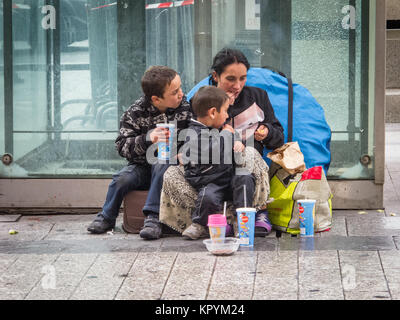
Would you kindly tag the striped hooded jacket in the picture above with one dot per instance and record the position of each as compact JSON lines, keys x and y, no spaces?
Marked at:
{"x":132,"y":142}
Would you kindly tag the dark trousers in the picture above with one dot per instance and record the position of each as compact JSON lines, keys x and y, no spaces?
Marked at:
{"x":210,"y":199}
{"x":134,"y":177}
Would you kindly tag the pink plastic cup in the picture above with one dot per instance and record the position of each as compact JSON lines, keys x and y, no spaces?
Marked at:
{"x":217,"y":226}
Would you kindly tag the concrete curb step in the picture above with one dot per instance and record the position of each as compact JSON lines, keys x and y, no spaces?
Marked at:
{"x":392,"y":105}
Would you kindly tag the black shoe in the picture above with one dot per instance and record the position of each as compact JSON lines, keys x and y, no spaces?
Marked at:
{"x":100,"y":225}
{"x":151,"y":229}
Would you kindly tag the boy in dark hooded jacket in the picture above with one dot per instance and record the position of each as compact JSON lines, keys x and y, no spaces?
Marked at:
{"x":209,"y":160}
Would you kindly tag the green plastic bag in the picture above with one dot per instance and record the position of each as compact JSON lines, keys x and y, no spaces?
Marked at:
{"x":286,"y":189}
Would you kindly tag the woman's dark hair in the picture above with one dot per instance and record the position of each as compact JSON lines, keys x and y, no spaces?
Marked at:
{"x":226,"y":57}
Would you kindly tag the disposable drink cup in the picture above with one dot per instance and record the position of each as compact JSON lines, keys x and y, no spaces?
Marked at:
{"x":217,"y":227}
{"x":306,"y":217}
{"x":164,"y":148}
{"x":246,"y":221}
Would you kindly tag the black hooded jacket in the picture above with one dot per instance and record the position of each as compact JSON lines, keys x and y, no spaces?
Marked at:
{"x":251,"y":109}
{"x":208,"y":155}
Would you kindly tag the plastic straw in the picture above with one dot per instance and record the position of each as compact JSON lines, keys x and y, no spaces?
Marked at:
{"x":245,"y":198}
{"x":225,"y":209}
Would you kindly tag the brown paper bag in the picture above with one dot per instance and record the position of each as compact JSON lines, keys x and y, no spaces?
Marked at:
{"x":289,"y":157}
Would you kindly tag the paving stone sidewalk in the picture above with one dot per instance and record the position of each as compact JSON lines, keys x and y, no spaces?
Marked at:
{"x":54,"y":257}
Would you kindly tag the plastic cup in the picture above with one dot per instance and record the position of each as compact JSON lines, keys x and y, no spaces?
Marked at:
{"x":217,"y":227}
{"x":246,"y":223}
{"x":164,"y":148}
{"x":306,"y":217}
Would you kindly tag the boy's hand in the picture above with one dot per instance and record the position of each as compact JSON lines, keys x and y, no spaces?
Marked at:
{"x":238,"y":146}
{"x":261,"y":133}
{"x":229,"y":128}
{"x":159,"y":135}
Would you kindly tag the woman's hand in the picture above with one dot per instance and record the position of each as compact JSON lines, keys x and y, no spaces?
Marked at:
{"x":229,"y":128}
{"x":231,"y":98}
{"x":238,"y":146}
{"x":159,"y":135}
{"x":261,"y":133}
{"x":179,"y":156}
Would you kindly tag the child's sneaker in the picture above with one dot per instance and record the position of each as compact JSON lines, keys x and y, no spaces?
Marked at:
{"x":152,"y":229}
{"x":263,"y":226}
{"x":195,"y":231}
{"x":100,"y":225}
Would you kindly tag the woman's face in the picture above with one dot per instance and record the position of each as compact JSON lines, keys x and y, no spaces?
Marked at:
{"x":232,"y":79}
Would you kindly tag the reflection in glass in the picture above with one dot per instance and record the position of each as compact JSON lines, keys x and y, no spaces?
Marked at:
{"x":88,"y":60}
{"x":169,"y":39}
{"x":29,"y":83}
{"x":322,"y":40}
{"x":65,"y":100}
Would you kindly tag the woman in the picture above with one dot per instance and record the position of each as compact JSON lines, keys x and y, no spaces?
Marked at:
{"x":252,"y":115}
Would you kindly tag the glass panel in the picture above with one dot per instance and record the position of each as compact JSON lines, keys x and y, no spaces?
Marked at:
{"x":331,"y":38}
{"x":65,"y":88}
{"x":65,"y":112}
{"x":2,"y":137}
{"x":236,"y":24}
{"x":29,"y":77}
{"x":169,"y":38}
{"x":323,"y":45}
{"x":88,"y":91}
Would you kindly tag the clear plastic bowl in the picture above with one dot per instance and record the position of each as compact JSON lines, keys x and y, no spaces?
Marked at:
{"x":225,"y":248}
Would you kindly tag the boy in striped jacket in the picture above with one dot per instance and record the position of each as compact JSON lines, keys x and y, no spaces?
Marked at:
{"x":163,"y":101}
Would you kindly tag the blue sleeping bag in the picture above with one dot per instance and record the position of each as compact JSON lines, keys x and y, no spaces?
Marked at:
{"x":302,"y":118}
